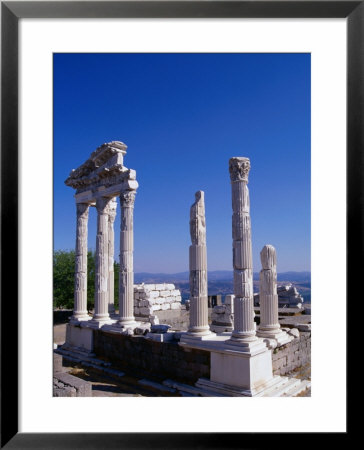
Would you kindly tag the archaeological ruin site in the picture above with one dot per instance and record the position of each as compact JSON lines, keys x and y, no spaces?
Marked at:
{"x":251,"y":345}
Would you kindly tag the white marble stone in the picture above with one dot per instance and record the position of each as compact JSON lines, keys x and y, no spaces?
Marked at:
{"x":244,"y":327}
{"x":101,"y":315}
{"x":126,"y":271}
{"x":80,"y":297}
{"x":154,"y":300}
{"x":100,"y":179}
{"x":111,"y":238}
{"x":198,"y":270}
{"x":269,"y":327}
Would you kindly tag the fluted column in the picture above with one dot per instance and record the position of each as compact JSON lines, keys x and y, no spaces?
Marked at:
{"x":101,"y":314}
{"x":80,"y":296}
{"x":268,"y":297}
{"x":126,"y":274}
{"x":198,"y":269}
{"x":111,"y":238}
{"x":244,"y":327}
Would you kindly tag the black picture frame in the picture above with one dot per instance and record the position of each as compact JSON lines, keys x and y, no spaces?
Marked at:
{"x":11,"y":12}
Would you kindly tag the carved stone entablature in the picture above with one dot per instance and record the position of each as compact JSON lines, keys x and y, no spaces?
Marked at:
{"x":239,"y":168}
{"x":104,"y":167}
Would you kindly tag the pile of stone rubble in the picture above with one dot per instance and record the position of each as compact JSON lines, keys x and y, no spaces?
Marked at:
{"x":149,"y":298}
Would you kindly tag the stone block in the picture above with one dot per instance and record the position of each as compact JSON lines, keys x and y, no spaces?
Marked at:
{"x":150,"y":287}
{"x":175,"y":292}
{"x":80,"y":337}
{"x":294,"y":332}
{"x":64,"y":392}
{"x":165,"y":293}
{"x":83,"y":388}
{"x":160,"y":287}
{"x":152,"y":294}
{"x":155,"y":308}
{"x":58,"y":363}
{"x":170,"y":287}
{"x":176,"y":305}
{"x":145,"y":311}
{"x":165,"y":306}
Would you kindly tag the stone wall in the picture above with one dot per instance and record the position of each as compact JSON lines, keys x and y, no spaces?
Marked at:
{"x":159,"y":360}
{"x":149,"y":298}
{"x":293,"y":355}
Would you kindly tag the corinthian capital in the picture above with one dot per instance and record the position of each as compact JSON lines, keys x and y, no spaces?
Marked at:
{"x":127,"y":199}
{"x":239,"y":168}
{"x":112,"y":210}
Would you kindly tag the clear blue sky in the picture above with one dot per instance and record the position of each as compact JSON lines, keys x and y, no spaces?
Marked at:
{"x":182,"y":117}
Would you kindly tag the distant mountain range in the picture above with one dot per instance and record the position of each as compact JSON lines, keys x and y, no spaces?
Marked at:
{"x":215,"y":275}
{"x":220,"y":282}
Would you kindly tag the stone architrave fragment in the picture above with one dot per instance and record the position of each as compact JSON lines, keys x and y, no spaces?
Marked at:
{"x":80,"y":299}
{"x":244,"y":327}
{"x":198,"y":269}
{"x":269,"y":326}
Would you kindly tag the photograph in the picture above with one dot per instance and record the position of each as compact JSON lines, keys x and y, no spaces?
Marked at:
{"x":181,"y":225}
{"x":180,"y":181}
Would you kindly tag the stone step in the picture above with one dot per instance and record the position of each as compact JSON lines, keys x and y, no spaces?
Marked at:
{"x":82,"y":356}
{"x":303,"y":386}
{"x":282,"y":389}
{"x":187,"y":390}
{"x":155,"y":385}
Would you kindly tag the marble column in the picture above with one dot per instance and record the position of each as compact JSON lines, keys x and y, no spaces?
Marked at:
{"x":80,"y":298}
{"x":126,"y":274}
{"x":269,"y":326}
{"x":198,"y":269}
{"x":268,"y":291}
{"x":111,"y":238}
{"x":244,"y":326}
{"x":101,"y":314}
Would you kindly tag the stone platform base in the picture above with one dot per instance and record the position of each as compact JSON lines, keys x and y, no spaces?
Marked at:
{"x":278,"y":387}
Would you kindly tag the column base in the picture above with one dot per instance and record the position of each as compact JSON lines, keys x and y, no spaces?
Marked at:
{"x":117,"y":327}
{"x":79,"y":319}
{"x":193,"y":337}
{"x":250,"y":347}
{"x":249,"y":370}
{"x":99,"y":322}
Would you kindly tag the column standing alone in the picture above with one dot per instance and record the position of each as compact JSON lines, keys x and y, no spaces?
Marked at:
{"x":244,"y":326}
{"x":198,"y":269}
{"x":269,"y":326}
